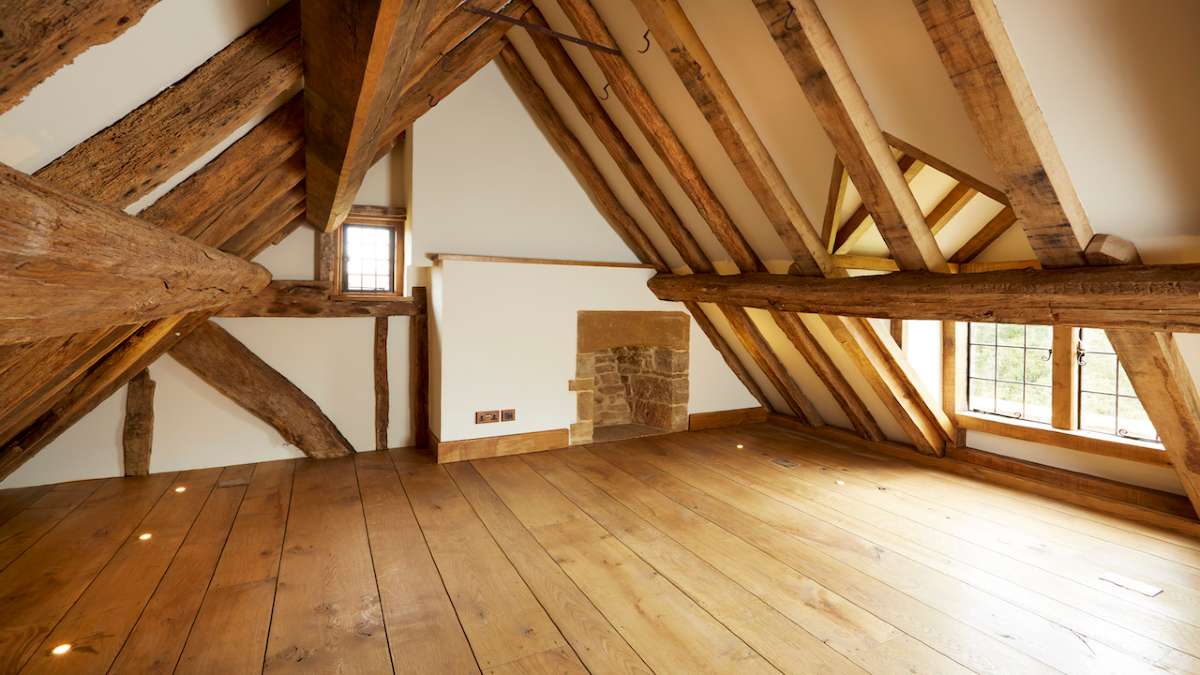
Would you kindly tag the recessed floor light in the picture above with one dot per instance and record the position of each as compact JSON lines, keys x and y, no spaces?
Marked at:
{"x":841,"y":482}
{"x":61,"y":649}
{"x":144,"y":536}
{"x":740,"y":446}
{"x":181,"y":489}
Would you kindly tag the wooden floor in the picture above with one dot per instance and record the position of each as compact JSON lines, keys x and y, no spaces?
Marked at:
{"x":678,"y":553}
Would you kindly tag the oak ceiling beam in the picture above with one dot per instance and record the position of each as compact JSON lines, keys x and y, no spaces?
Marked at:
{"x":313,"y":299}
{"x":453,"y":68}
{"x":124,"y":162}
{"x":624,"y":156}
{"x":68,"y":264}
{"x":538,"y":104}
{"x":219,"y":359}
{"x":564,"y":69}
{"x":944,"y":211}
{"x":40,"y":37}
{"x":983,"y":65}
{"x":58,"y":381}
{"x":712,"y":94}
{"x":768,"y":362}
{"x":662,"y":138}
{"x":808,"y":46}
{"x":860,"y":221}
{"x":1148,"y":298}
{"x":358,"y":58}
{"x":985,"y":237}
{"x":137,"y":432}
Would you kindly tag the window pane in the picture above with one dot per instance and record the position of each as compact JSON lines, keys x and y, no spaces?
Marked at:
{"x":1037,"y":403}
{"x":983,"y":333}
{"x":1094,"y":340}
{"x":1132,"y":419}
{"x":1098,"y":412}
{"x":1124,"y":386}
{"x":1010,"y":334}
{"x":1010,"y":364}
{"x":983,"y":362}
{"x":369,"y":258}
{"x":1099,"y":373}
{"x":1038,"y":368}
{"x":1010,"y":399}
{"x":1039,"y":336}
{"x":982,"y":396}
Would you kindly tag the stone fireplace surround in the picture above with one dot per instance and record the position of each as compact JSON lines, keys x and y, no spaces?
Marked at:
{"x":631,"y":368}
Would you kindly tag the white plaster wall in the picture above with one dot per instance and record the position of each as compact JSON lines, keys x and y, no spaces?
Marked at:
{"x":508,"y":340}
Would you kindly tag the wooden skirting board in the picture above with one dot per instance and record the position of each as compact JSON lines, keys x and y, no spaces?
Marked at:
{"x":1144,"y":505}
{"x":726,"y":418}
{"x":499,"y":446}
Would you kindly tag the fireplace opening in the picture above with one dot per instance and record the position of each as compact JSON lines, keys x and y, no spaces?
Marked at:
{"x":631,"y":375}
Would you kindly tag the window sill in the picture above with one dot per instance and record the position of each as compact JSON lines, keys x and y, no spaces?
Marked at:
{"x":1144,"y":452}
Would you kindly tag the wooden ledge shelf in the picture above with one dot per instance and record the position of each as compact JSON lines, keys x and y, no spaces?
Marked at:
{"x":307,"y":299}
{"x":442,"y":257}
{"x":1080,"y":441}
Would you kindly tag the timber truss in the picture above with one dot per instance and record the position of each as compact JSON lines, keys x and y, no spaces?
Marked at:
{"x":370,"y":69}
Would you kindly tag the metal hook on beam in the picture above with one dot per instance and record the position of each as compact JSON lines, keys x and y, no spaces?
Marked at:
{"x":606,"y":94}
{"x":646,"y":37}
{"x":431,"y":101}
{"x":789,"y":17}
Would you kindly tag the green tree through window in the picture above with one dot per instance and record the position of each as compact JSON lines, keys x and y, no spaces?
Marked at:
{"x":1009,"y":370}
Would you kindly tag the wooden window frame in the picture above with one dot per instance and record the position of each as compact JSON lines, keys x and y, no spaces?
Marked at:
{"x":1063,"y":431}
{"x":392,"y":218}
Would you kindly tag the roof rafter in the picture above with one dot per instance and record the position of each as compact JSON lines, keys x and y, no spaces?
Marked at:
{"x":982,"y":63}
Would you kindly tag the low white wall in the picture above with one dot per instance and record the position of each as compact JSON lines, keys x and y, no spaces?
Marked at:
{"x":507,"y":334}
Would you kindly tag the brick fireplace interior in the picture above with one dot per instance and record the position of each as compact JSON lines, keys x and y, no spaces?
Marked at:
{"x":631,"y":375}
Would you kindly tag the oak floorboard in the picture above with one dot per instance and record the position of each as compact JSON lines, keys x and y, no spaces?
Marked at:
{"x":38,"y":588}
{"x":777,"y":640}
{"x":16,"y":500}
{"x":1067,"y":559}
{"x":424,"y":634}
{"x":98,"y":623}
{"x":821,"y":496}
{"x":157,"y":640}
{"x":502,"y":618}
{"x":25,"y":528}
{"x":327,"y":615}
{"x":598,"y":644}
{"x":230,"y":632}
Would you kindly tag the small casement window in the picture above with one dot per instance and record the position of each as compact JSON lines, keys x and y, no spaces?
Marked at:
{"x":368,"y":259}
{"x":1107,"y":402}
{"x":1009,"y":370}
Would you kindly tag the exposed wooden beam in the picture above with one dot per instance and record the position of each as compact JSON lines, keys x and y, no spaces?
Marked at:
{"x":64,"y":379}
{"x":882,"y":363}
{"x":816,"y":60}
{"x":906,"y":148}
{"x":273,"y":220}
{"x":704,"y":81}
{"x":856,"y":411}
{"x":743,"y":326}
{"x":222,"y":361}
{"x":41,"y":37}
{"x":262,"y":194}
{"x":358,"y":58}
{"x":313,"y":299}
{"x":68,"y":264}
{"x":1107,"y":249}
{"x":382,"y":399}
{"x":418,"y":372}
{"x":161,"y":137}
{"x":137,"y":434}
{"x":645,"y":185}
{"x":985,"y":237}
{"x":949,"y":206}
{"x":1064,"y":408}
{"x":453,"y":68}
{"x":860,"y":221}
{"x":574,"y":155}
{"x":631,"y":166}
{"x":980,"y":59}
{"x":662,"y":138}
{"x":1144,"y":297}
{"x":833,"y":204}
{"x":982,"y":63}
